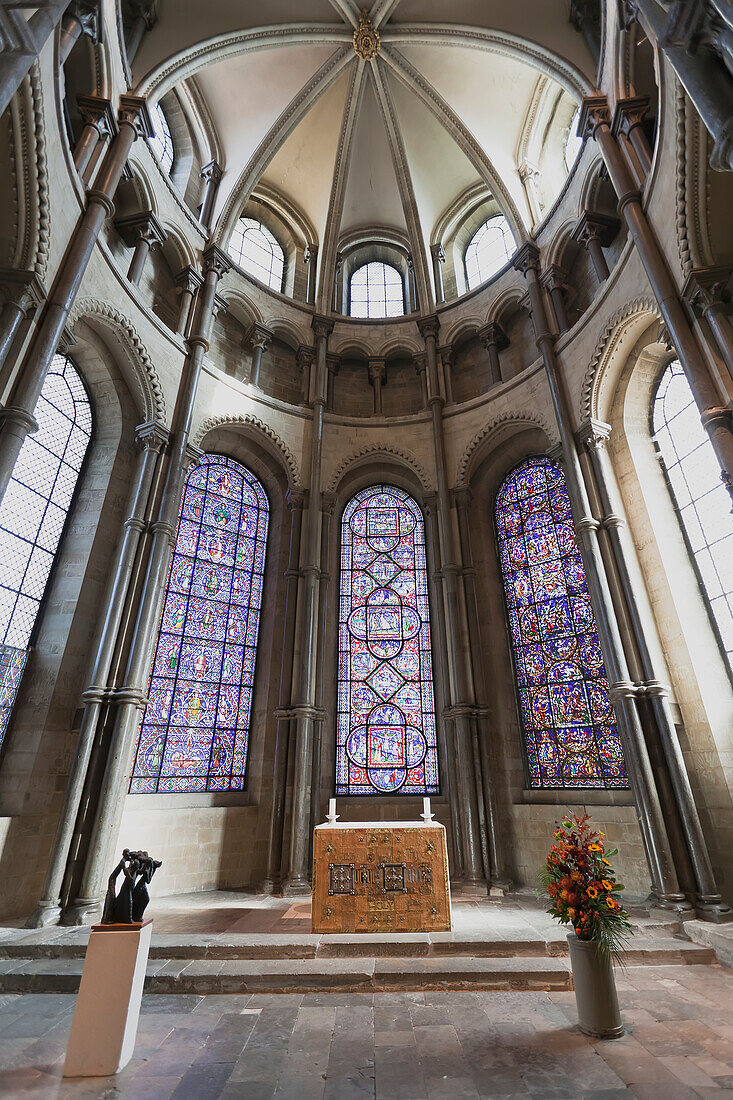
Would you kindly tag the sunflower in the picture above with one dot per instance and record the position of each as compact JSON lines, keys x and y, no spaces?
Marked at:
{"x":606,"y":884}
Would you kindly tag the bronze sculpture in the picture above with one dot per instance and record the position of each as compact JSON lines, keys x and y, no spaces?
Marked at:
{"x":128,"y":906}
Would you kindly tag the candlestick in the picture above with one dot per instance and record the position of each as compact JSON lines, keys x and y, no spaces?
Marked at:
{"x":332,"y":815}
{"x":426,"y":815}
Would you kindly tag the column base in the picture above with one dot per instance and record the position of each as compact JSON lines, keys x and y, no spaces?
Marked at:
{"x":712,"y":908}
{"x":471,"y":888}
{"x":500,"y":887}
{"x":296,"y":888}
{"x":44,"y":914}
{"x":81,"y":912}
{"x":669,"y":903}
{"x":270,"y":887}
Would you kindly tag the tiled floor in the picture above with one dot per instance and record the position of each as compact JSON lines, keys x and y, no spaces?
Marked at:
{"x":403,"y":1046}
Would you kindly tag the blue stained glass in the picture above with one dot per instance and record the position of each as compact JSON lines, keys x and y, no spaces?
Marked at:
{"x":194,"y":733}
{"x":386,"y":736}
{"x":566,"y":715}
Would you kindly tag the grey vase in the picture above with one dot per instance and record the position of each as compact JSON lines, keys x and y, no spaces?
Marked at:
{"x":595,"y":990}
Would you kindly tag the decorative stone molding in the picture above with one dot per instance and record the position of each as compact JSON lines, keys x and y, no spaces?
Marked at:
{"x":380,"y":450}
{"x":251,"y":421}
{"x":612,"y":329}
{"x":518,"y":419}
{"x":151,"y":390}
{"x":29,"y":175}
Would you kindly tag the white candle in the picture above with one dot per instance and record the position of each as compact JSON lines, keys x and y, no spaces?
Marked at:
{"x":332,"y":807}
{"x":426,"y":806}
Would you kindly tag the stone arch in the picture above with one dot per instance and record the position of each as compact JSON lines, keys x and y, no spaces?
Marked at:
{"x":255,"y":428}
{"x":619,"y":332}
{"x":497,"y":430}
{"x":373,"y":454}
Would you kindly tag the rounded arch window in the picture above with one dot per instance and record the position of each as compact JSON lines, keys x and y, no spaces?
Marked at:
{"x":700,"y":497}
{"x":258,"y":252}
{"x":376,"y":290}
{"x":162,"y":142}
{"x":488,"y":251}
{"x":573,"y":143}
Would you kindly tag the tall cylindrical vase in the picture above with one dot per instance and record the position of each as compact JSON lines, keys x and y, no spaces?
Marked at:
{"x":595,"y":990}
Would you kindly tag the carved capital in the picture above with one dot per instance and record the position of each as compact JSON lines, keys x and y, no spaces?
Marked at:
{"x":554,"y":277}
{"x":595,"y":112}
{"x":22,"y":289}
{"x":333,"y":363}
{"x":377,"y":371}
{"x":630,"y":112}
{"x":219,"y":305}
{"x":295,"y":499}
{"x":193,"y":455}
{"x":310,"y":254}
{"x":66,"y":343}
{"x":305,"y":356}
{"x":322,"y":327}
{"x":493,"y":335}
{"x":527,"y":258}
{"x":134,"y":112}
{"x":596,"y":226}
{"x":428,"y":326}
{"x":421,"y":362}
{"x":215,"y":260}
{"x":152,"y":436}
{"x":593,"y":434}
{"x":260,"y":337}
{"x":462,"y":496}
{"x":447,"y":354}
{"x":438,"y":252}
{"x":141,"y":227}
{"x":211,"y":172}
{"x":97,"y":112}
{"x":188,"y":280}
{"x":707,"y":287}
{"x":86,"y":13}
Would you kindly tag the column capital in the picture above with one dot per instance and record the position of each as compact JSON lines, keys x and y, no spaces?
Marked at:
{"x":215,"y":260}
{"x":295,"y":498}
{"x":593,"y":434}
{"x":706,"y":287}
{"x":493,"y":334}
{"x":328,"y":504}
{"x":22,"y":288}
{"x":97,"y":111}
{"x":305,"y":355}
{"x":152,"y":436}
{"x":527,"y":258}
{"x":219,"y":305}
{"x":599,"y":226}
{"x":428,"y":326}
{"x":377,"y":370}
{"x":260,"y":337}
{"x":66,"y":342}
{"x":133,"y":111}
{"x":322,"y":326}
{"x":629,"y":113}
{"x":211,"y":172}
{"x":447,"y":353}
{"x":193,"y":455}
{"x":554,"y":277}
{"x":143,"y":226}
{"x":594,"y":112}
{"x":86,"y":13}
{"x":310,"y":253}
{"x":438,"y":252}
{"x":420,"y":360}
{"x":188,"y":279}
{"x":333,"y":363}
{"x":462,"y":496}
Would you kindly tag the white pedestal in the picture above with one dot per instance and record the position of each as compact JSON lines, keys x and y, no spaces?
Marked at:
{"x":107,"y":1009}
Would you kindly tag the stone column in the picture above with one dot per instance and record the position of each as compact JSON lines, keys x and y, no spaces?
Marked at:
{"x":305,"y":693}
{"x":188,"y":281}
{"x":333,"y":366}
{"x":585,"y":18}
{"x":261,"y":338}
{"x":494,"y":339}
{"x":679,"y":30}
{"x":129,"y":699}
{"x":437,"y":255}
{"x":17,"y":417}
{"x":143,"y":232}
{"x":596,"y":231}
{"x":23,"y":41}
{"x":305,"y":357}
{"x":709,"y":903}
{"x":628,"y":122}
{"x":621,"y":689}
{"x":99,"y":124}
{"x":498,"y":880}
{"x":81,"y":17}
{"x":151,"y":439}
{"x":211,"y":174}
{"x":283,"y":715}
{"x":310,"y":259}
{"x":555,"y":281}
{"x":145,"y":19}
{"x":328,"y":502}
{"x":338,"y":285}
{"x":707,"y":292}
{"x":421,"y":369}
{"x":377,"y":377}
{"x":447,"y":358}
{"x":462,"y":705}
{"x":411,"y":303}
{"x":23,"y":292}
{"x":715,"y":416}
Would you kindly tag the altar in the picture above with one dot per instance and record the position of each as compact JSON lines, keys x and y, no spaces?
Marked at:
{"x":379,"y":876}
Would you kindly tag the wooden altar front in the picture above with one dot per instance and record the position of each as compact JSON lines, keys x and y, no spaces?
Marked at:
{"x":380,"y":877}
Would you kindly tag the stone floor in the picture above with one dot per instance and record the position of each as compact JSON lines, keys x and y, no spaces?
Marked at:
{"x":394,"y":1046}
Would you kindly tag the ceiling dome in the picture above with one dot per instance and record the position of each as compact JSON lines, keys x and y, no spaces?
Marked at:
{"x":385,"y":124}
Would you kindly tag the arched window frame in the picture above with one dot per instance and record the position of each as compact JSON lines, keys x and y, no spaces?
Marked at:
{"x":478,"y":273}
{"x":42,"y":458}
{"x":353,"y":710}
{"x":383,"y":294}
{"x":183,"y":657}
{"x":669,"y":447}
{"x":551,"y":621}
{"x":573,"y":143}
{"x":268,"y":267}
{"x":161,"y":141}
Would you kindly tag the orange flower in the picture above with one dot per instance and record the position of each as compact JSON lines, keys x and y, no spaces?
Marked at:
{"x":606,"y":861}
{"x":592,"y":893}
{"x":576,"y":876}
{"x":595,"y":848}
{"x":612,"y":904}
{"x":606,"y":884}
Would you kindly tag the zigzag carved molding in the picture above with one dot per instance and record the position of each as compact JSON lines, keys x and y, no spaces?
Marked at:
{"x":517,"y":419}
{"x":594,"y":374}
{"x":254,"y":422}
{"x":380,"y":451}
{"x":147,"y":377}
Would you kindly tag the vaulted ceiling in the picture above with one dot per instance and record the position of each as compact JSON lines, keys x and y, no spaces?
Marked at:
{"x":390,"y":141}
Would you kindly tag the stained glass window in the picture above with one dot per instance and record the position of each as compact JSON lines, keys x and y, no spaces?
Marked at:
{"x":567,"y":719}
{"x":386,"y":738}
{"x":161,"y":141}
{"x":702,"y":500}
{"x":489,"y":249}
{"x":257,"y":251}
{"x":33,"y":514}
{"x":194,"y":733}
{"x":376,"y":290}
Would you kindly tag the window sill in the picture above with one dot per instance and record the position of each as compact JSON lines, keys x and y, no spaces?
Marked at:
{"x":573,"y":798}
{"x":202,"y":800}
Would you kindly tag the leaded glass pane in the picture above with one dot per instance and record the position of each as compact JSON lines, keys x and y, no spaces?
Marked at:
{"x":194,"y":733}
{"x":386,"y":737}
{"x":702,"y":500}
{"x":161,"y":141}
{"x":33,"y":513}
{"x":376,"y":290}
{"x":488,"y":251}
{"x":566,"y":715}
{"x":258,"y":252}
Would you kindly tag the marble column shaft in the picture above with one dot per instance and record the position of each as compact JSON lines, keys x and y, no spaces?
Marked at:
{"x":462,"y":705}
{"x":17,"y":417}
{"x":81,"y":17}
{"x":23,"y":292}
{"x":151,"y":439}
{"x":15,"y":62}
{"x":130,"y":697}
{"x":211,"y":174}
{"x":641,"y":777}
{"x":99,"y":124}
{"x":715,"y":417}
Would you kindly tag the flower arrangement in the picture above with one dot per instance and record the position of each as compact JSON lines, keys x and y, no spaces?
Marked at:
{"x":580,"y":882}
